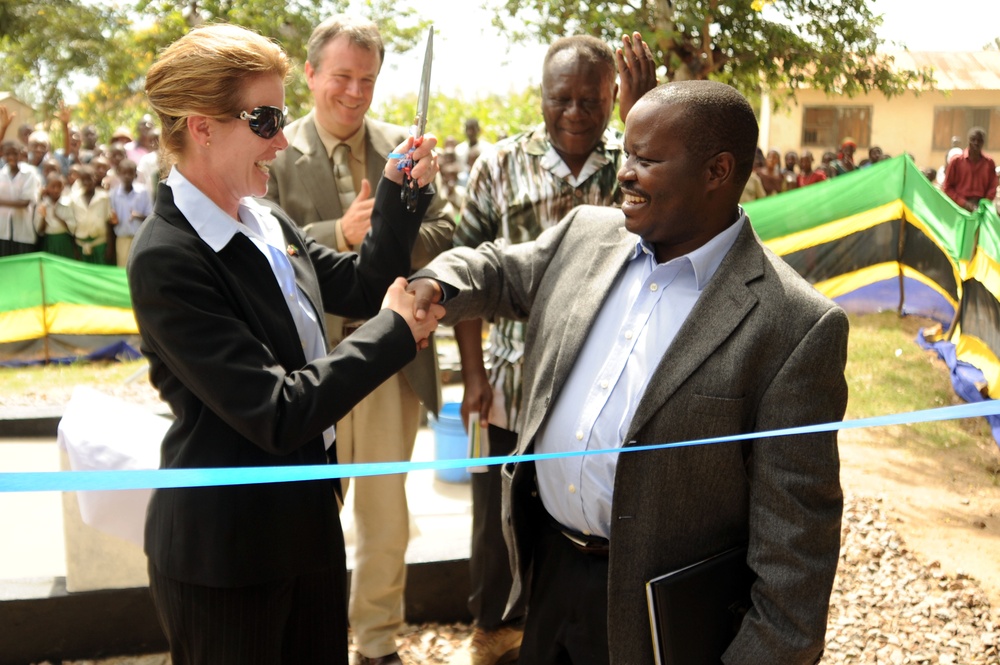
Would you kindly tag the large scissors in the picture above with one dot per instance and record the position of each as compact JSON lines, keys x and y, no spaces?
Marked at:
{"x":411,"y":189}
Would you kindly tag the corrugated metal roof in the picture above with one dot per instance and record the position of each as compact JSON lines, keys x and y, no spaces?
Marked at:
{"x":955,"y":70}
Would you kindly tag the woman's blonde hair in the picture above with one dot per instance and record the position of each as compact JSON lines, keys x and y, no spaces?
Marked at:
{"x":205,"y":73}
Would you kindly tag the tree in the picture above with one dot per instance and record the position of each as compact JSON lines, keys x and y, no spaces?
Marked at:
{"x":993,"y":45}
{"x":777,"y":45}
{"x":497,"y":115}
{"x":49,"y":45}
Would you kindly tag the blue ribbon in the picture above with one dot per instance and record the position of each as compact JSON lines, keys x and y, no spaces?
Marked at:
{"x":69,"y":481}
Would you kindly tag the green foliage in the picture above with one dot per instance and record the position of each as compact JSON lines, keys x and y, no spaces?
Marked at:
{"x":787,"y":45}
{"x":498,"y":115}
{"x":47,"y":45}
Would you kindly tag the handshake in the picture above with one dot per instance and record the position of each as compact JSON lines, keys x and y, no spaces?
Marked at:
{"x":417,"y":303}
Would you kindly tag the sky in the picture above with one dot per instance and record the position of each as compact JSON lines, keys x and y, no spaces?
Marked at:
{"x":472,"y":59}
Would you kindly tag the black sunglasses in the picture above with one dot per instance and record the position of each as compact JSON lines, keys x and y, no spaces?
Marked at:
{"x":265,"y":121}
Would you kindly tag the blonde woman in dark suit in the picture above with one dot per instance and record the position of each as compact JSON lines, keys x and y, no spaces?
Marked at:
{"x":229,"y":296}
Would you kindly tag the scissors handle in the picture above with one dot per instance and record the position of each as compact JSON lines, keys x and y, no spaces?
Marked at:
{"x":410,"y":193}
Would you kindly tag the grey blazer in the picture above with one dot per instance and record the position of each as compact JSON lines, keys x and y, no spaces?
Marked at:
{"x":302,"y":183}
{"x":761,"y":350}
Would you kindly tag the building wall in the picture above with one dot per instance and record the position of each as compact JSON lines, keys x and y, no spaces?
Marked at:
{"x":24,"y":114}
{"x":901,"y":124}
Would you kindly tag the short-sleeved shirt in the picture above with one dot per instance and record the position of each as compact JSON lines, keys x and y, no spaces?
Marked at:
{"x":516,"y":191}
{"x":17,"y":224}
{"x":125,"y":204}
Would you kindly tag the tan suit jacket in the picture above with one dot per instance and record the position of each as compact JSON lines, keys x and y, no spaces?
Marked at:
{"x":303,"y":184}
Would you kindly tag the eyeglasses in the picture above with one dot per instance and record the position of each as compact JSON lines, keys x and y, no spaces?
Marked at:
{"x":265,"y":121}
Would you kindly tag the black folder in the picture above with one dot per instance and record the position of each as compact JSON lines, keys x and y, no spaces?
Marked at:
{"x":695,"y":611}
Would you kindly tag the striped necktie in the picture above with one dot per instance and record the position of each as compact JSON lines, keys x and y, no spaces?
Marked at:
{"x":342,"y":175}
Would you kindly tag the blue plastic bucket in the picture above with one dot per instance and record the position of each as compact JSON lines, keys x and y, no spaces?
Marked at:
{"x":450,"y":442}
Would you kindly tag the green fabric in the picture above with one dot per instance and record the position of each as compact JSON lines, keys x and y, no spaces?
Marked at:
{"x":60,"y":244}
{"x":861,"y":190}
{"x":61,"y":281}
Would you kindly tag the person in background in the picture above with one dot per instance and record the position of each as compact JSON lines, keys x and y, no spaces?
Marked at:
{"x":666,"y":321}
{"x":972,"y":176}
{"x":88,"y":143}
{"x":148,"y":168}
{"x":54,"y":221}
{"x":24,"y":132}
{"x":102,"y":171}
{"x":49,"y":166}
{"x":116,"y":153}
{"x":770,"y":173}
{"x":789,"y":176}
{"x":845,"y":157}
{"x":227,"y":294}
{"x":74,"y":175}
{"x":524,"y":185}
{"x":753,"y":190}
{"x":875,"y":155}
{"x":323,"y":180}
{"x":92,"y":212}
{"x":130,"y":205}
{"x":69,"y":154}
{"x":826,"y":164}
{"x":120,"y":136}
{"x":38,"y":150}
{"x":143,"y":144}
{"x":19,"y":189}
{"x":468,"y":151}
{"x":807,"y":176}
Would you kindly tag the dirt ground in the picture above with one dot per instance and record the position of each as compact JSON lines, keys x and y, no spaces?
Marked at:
{"x":947,"y":505}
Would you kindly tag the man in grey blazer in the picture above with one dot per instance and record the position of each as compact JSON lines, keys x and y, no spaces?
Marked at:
{"x":343,"y":61}
{"x":666,"y":321}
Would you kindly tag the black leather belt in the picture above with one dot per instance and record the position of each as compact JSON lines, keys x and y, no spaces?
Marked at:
{"x":594,"y":545}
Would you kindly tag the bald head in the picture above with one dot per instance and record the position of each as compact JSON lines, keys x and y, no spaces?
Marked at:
{"x":715,"y":118}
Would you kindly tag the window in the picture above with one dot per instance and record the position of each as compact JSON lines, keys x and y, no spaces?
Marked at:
{"x":826,"y":127}
{"x":958,"y":120}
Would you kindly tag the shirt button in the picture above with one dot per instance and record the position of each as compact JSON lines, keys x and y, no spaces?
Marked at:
{"x":604,"y":384}
{"x":586,"y":533}
{"x":579,"y":435}
{"x":578,"y":194}
{"x":628,"y":334}
{"x":653,"y":287}
{"x":572,"y":489}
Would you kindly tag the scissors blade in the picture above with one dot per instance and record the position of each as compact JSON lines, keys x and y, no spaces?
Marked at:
{"x":424,"y":96}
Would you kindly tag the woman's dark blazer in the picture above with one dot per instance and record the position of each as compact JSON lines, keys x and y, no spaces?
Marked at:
{"x":226,"y":357}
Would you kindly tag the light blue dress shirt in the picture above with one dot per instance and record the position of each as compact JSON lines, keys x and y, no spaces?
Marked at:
{"x":637,"y":323}
{"x":217,"y":228}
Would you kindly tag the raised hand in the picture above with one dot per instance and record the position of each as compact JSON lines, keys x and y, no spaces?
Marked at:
{"x":425,"y":168}
{"x":636,"y":71}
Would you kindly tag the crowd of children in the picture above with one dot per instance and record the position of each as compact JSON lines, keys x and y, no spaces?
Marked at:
{"x":84,"y":201}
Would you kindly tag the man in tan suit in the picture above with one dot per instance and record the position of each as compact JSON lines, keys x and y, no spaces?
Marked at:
{"x":330,"y":195}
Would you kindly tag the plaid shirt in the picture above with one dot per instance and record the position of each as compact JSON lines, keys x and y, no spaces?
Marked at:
{"x":517,"y":190}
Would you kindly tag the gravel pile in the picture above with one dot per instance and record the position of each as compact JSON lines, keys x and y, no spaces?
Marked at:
{"x":888,"y":607}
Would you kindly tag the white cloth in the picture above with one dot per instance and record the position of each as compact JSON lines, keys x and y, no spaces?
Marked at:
{"x":103,"y":433}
